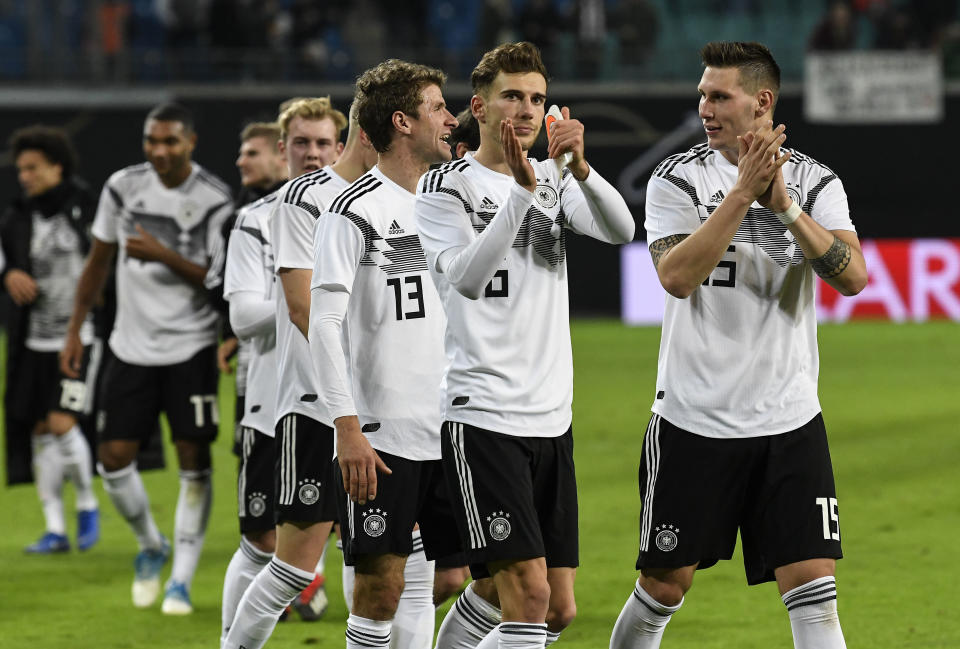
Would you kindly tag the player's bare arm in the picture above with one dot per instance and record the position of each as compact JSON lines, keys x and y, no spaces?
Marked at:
{"x":147,"y":247}
{"x":89,"y":287}
{"x":660,"y":247}
{"x":691,"y":261}
{"x":296,"y":290}
{"x":358,"y":461}
{"x":835,"y":255}
{"x":567,"y":136}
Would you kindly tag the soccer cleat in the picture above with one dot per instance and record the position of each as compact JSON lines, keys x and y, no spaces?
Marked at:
{"x":88,"y":528}
{"x":312,"y":602}
{"x":49,"y":543}
{"x":176,"y":601}
{"x":146,"y":577}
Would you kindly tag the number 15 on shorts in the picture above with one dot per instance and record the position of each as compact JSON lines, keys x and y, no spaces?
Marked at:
{"x":831,"y":519}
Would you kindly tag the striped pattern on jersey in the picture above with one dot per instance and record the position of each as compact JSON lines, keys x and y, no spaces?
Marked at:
{"x":465,"y":480}
{"x":651,"y":454}
{"x":288,"y":459}
{"x":218,"y":185}
{"x":297,"y":188}
{"x":536,"y":230}
{"x":817,"y":591}
{"x":132,"y":170}
{"x":760,"y":226}
{"x":396,"y":255}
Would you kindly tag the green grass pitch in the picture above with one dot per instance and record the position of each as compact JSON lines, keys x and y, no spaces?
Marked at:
{"x":891,"y":400}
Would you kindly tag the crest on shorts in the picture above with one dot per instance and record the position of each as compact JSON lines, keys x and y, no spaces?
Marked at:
{"x":546,"y":195}
{"x":374,"y":522}
{"x":257,"y":504}
{"x":309,"y":492}
{"x":666,"y":538}
{"x":499,"y":525}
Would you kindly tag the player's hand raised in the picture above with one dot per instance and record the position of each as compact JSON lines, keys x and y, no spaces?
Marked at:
{"x":759,"y":161}
{"x":567,"y":136}
{"x":358,"y":461}
{"x":513,"y":155}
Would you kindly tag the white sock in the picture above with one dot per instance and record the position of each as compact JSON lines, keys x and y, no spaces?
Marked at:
{"x":415,"y":617}
{"x":469,"y":620}
{"x":269,"y":593}
{"x":48,"y":475}
{"x":813,"y":615}
{"x":363,"y":633}
{"x":516,"y":635}
{"x":126,"y":491}
{"x":75,"y":453}
{"x":641,"y":622}
{"x":552,"y":636}
{"x":247,"y":561}
{"x":190,"y":524}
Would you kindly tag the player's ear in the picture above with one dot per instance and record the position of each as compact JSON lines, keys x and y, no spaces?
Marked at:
{"x":339,"y":148}
{"x":478,"y":108}
{"x":400,"y":121}
{"x":764,"y":103}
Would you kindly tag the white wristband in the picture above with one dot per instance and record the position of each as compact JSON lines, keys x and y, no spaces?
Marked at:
{"x":792,"y":214}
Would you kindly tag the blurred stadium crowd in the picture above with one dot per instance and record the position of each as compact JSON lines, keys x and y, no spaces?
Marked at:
{"x":159,"y":41}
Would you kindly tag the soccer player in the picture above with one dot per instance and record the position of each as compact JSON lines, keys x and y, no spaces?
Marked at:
{"x":466,"y":137}
{"x":494,"y":228}
{"x":45,"y":236}
{"x":305,"y":493}
{"x":163,"y":217}
{"x":738,"y":226}
{"x":376,"y":330}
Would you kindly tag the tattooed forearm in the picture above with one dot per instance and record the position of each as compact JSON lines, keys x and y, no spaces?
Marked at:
{"x":660,"y":247}
{"x":834,"y":261}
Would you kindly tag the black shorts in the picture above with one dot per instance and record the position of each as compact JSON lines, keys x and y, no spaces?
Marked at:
{"x":697,"y":491}
{"x":303,"y":470}
{"x":133,"y":396}
{"x":255,"y":482}
{"x":515,"y":498}
{"x":412,"y":494}
{"x":40,"y":388}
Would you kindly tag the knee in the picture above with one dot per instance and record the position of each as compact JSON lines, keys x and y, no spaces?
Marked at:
{"x":560,"y":615}
{"x":113,"y":457}
{"x":446,"y":582}
{"x":668,"y":589}
{"x":377,"y":597}
{"x":265,"y":541}
{"x":193,"y":456}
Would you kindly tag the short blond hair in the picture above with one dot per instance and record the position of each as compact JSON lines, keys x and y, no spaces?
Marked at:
{"x":266,"y":130}
{"x":313,"y":108}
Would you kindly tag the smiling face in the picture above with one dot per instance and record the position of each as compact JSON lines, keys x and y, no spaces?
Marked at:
{"x":727,"y":109}
{"x":260,"y":162}
{"x":432,"y":127}
{"x":168,"y":146}
{"x":310,"y":145}
{"x":519,"y":96}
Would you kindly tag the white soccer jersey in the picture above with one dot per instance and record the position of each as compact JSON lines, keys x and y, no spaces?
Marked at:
{"x":161,"y":318}
{"x":511,"y":361}
{"x":249,"y":268}
{"x":392,"y":338}
{"x":738,"y":357}
{"x":303,"y":199}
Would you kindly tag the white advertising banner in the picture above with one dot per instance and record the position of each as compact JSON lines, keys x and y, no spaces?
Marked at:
{"x":878,"y":87}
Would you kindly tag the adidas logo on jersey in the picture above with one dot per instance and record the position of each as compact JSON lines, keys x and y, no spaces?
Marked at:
{"x":717,"y":197}
{"x":395,"y":228}
{"x":487,"y":204}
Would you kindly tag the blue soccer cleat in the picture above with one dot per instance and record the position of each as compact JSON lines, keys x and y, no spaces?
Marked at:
{"x":146,"y":577}
{"x":88,"y":528}
{"x":176,"y":601}
{"x":49,"y":543}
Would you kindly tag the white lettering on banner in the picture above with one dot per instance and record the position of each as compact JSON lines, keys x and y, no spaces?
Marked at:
{"x":934,"y":286}
{"x":880,"y":289}
{"x":910,"y":279}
